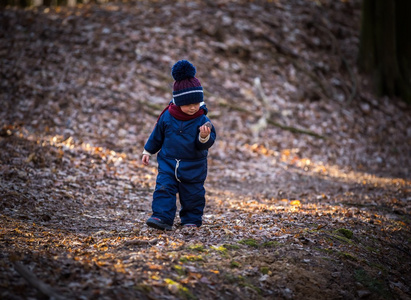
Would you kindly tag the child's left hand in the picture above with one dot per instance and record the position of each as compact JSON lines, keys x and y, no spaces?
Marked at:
{"x":204,"y":131}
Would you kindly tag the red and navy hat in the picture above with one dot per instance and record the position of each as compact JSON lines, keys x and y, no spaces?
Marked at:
{"x":186,"y":89}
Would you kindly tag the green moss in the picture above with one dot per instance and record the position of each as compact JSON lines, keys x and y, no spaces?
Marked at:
{"x":197,"y":247}
{"x":234,"y":264}
{"x":179,"y":269}
{"x":187,"y":258}
{"x":342,"y":239}
{"x":378,"y":266}
{"x":348,"y":256}
{"x":270,"y":244}
{"x":233,"y":279}
{"x":264,"y":270}
{"x":345,"y":232}
{"x":373,"y":284}
{"x":231,"y":246}
{"x":251,"y":286}
{"x":371,"y":249}
{"x":182,"y":291}
{"x":325,"y":250}
{"x":249,"y":242}
{"x":220,"y":249}
{"x":241,"y":281}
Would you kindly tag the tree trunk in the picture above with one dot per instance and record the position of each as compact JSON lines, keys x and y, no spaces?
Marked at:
{"x":367,"y":51}
{"x":24,"y":3}
{"x":385,"y":46}
{"x":403,"y":25}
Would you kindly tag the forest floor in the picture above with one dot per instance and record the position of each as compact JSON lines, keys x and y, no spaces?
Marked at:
{"x":308,"y":190}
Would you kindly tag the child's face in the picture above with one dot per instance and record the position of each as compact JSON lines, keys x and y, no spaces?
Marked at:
{"x":190,"y":109}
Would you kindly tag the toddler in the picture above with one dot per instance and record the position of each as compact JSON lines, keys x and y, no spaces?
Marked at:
{"x":182,"y":136}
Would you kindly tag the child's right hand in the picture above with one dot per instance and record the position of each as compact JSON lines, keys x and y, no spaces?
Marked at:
{"x":145,"y":159}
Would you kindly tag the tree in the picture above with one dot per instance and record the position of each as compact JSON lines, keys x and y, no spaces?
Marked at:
{"x":385,"y":46}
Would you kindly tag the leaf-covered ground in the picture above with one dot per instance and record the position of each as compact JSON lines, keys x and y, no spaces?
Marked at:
{"x":309,"y":182}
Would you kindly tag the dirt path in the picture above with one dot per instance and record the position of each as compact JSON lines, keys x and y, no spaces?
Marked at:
{"x":289,"y":215}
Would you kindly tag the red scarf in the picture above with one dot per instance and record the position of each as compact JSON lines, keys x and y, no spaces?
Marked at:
{"x":177,"y":113}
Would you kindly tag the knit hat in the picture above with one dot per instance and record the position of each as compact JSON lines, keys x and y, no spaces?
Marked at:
{"x":186,"y":89}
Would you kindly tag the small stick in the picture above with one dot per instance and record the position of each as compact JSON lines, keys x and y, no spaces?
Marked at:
{"x":140,"y":242}
{"x":35,"y":282}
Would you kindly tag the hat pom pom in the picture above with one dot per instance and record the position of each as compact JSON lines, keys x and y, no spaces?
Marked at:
{"x":183,"y":69}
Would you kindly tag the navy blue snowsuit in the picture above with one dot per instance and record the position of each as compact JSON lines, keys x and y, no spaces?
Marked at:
{"x":182,"y":168}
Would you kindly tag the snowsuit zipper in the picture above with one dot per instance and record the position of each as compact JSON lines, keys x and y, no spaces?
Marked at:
{"x":175,"y":170}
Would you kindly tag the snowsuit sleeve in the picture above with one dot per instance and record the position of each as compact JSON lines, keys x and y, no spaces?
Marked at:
{"x":156,"y":139}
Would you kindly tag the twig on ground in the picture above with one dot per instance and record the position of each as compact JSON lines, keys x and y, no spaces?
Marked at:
{"x":138,"y":242}
{"x":35,"y":282}
{"x":228,"y":104}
